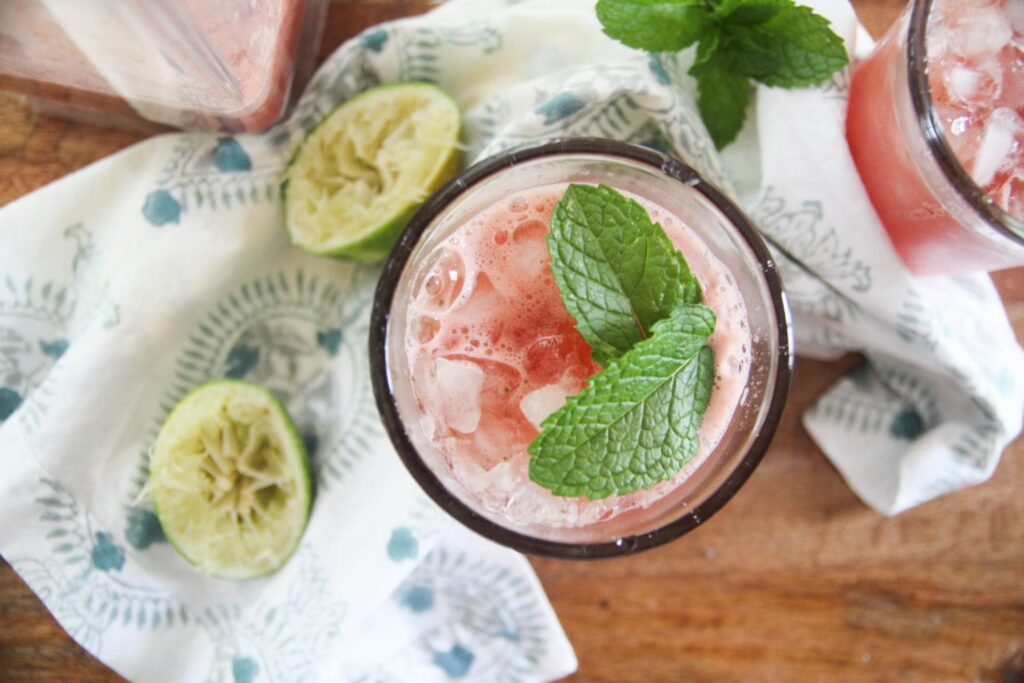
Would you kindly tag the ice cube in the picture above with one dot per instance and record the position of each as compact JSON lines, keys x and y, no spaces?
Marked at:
{"x":1013,"y":75}
{"x":482,"y":310}
{"x":980,"y":32}
{"x":540,"y":403}
{"x":530,"y":250}
{"x":962,"y":82}
{"x":1010,"y":194}
{"x":997,"y":145}
{"x":938,"y":39}
{"x":497,"y":439}
{"x":459,"y":383}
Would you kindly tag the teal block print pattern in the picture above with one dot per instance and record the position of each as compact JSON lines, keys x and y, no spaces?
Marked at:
{"x":244,"y":669}
{"x":424,"y":522}
{"x":976,"y":445}
{"x":808,"y":250}
{"x":84,"y":579}
{"x":652,"y":137}
{"x":54,"y":349}
{"x":143,"y":529}
{"x":804,"y":234}
{"x":837,"y":87}
{"x":36,"y":318}
{"x":623,"y":102}
{"x":917,"y":397}
{"x":490,"y":117}
{"x":455,"y":661}
{"x":420,"y":49}
{"x":402,"y":545}
{"x":658,"y":70}
{"x":208,"y":173}
{"x":881,"y":401}
{"x":349,"y":71}
{"x":106,"y":555}
{"x":416,"y":598}
{"x":559,"y":107}
{"x":10,"y":400}
{"x":230,"y":156}
{"x":916,"y":323}
{"x":856,"y":412}
{"x":161,"y":208}
{"x":281,"y":636}
{"x":374,"y":40}
{"x":477,"y":621}
{"x":302,"y":335}
{"x":906,"y":425}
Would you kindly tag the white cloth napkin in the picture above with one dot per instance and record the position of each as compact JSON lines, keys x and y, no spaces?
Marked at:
{"x":131,"y":281}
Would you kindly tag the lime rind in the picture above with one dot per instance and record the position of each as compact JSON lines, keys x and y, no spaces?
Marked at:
{"x":230,"y":480}
{"x":361,"y":174}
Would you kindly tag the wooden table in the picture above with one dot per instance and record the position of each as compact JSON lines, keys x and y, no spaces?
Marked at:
{"x":795,"y":579}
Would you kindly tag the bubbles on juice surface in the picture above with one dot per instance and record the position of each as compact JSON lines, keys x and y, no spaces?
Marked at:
{"x":440,"y":282}
{"x":976,"y":76}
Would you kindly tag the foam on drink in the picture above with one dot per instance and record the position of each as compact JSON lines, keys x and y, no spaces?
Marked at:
{"x":494,"y":351}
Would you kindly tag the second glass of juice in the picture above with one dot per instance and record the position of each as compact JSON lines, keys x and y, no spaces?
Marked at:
{"x":936,"y":128}
{"x":472,"y":347}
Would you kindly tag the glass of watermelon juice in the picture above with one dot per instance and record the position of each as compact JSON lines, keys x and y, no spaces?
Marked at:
{"x":471,"y":347}
{"x":936,"y":128}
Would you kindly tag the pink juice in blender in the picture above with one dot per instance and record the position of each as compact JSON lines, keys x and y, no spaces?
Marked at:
{"x":936,"y":128}
{"x":231,"y":66}
{"x":493,"y":351}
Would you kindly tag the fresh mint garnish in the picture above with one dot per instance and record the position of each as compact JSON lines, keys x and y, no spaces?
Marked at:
{"x":617,"y":271}
{"x":776,"y":42}
{"x":723,"y":95}
{"x":653,"y":25}
{"x":637,"y":304}
{"x":636,"y":423}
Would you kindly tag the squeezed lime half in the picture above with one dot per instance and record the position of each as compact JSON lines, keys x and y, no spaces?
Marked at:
{"x":361,"y":174}
{"x":230,"y":480}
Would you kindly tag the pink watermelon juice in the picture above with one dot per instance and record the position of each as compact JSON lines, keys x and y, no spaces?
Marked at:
{"x":970,"y":217}
{"x":492,"y":351}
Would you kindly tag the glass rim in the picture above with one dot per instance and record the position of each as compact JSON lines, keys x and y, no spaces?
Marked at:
{"x":924,"y":109}
{"x":417,"y":466}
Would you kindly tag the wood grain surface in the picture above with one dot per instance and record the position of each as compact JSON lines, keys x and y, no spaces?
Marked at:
{"x":794,"y":580}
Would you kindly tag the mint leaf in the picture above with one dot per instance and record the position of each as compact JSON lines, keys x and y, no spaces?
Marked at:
{"x":749,"y":12}
{"x":618,"y":272}
{"x":805,"y":48}
{"x":743,"y":51}
{"x":653,"y":25}
{"x":723,"y":96}
{"x":773,"y":41}
{"x":708,"y":45}
{"x":636,"y":423}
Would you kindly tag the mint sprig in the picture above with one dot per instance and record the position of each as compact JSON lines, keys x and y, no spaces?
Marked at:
{"x":637,"y":421}
{"x":617,"y":271}
{"x":775,"y":42}
{"x":637,"y":304}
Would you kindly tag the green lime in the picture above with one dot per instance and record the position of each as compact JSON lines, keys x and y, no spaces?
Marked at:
{"x":361,"y":174}
{"x":230,"y":480}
